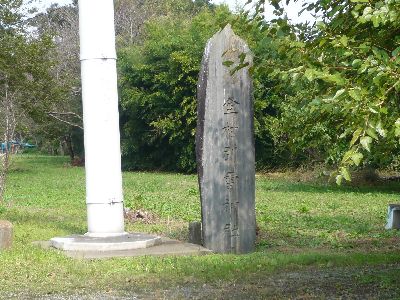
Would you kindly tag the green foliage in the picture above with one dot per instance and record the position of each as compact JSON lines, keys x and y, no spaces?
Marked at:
{"x":10,"y":14}
{"x":158,"y":91}
{"x":338,"y":83}
{"x":62,"y":122}
{"x":25,"y":70}
{"x":324,"y":93}
{"x":25,"y":77}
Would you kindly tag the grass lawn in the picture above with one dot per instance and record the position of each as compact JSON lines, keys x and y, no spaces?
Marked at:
{"x":315,"y":240}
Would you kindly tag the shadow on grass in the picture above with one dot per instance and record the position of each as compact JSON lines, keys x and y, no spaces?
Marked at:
{"x":290,"y":187}
{"x":338,"y":222}
{"x":239,"y":267}
{"x":19,"y":170}
{"x":336,"y":231}
{"x":45,"y":220}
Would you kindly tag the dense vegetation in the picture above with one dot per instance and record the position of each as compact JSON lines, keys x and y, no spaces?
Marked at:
{"x":158,"y":88}
{"x":323,"y":93}
{"x":342,"y":74}
{"x":326,"y":92}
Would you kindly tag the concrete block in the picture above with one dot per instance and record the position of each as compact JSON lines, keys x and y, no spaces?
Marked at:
{"x":114,"y":243}
{"x":393,"y":217}
{"x":167,"y":247}
{"x":6,"y":234}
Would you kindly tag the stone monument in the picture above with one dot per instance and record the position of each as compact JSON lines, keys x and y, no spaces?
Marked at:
{"x":393,"y":217}
{"x":6,"y":234}
{"x":225,"y":145}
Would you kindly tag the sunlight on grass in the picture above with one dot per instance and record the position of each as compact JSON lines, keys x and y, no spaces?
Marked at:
{"x":300,"y":225}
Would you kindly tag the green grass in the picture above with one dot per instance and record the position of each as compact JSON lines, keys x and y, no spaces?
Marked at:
{"x":302,"y":225}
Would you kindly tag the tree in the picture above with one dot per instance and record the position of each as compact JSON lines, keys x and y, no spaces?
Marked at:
{"x":131,"y":15}
{"x":64,"y":123}
{"x":61,"y":23}
{"x":25,"y":83}
{"x":339,"y":82}
{"x":158,"y":81}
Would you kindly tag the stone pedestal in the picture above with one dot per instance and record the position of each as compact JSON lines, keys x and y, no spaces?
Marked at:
{"x":110,"y":248}
{"x":6,"y":234}
{"x":393,"y":217}
{"x":123,"y":242}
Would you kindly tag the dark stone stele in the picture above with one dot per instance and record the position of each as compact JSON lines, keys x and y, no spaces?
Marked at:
{"x":225,"y":145}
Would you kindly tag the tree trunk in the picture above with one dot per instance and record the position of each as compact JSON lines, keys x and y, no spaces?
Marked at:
{"x":70,"y":147}
{"x":10,"y":123}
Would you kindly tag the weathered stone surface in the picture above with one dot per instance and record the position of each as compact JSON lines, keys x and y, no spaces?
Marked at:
{"x":195,"y":233}
{"x":6,"y":234}
{"x":225,"y":145}
{"x":393,"y":217}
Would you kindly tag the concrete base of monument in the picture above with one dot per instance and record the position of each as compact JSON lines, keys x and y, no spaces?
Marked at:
{"x":162,"y":247}
{"x":112,"y":243}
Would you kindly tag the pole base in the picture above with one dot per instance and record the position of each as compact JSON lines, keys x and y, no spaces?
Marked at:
{"x":104,"y":235}
{"x":105,"y":219}
{"x":124,"y":242}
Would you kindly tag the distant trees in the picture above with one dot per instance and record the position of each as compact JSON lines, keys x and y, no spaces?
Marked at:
{"x":62,"y":24}
{"x":25,"y":81}
{"x":131,"y":15}
{"x":65,"y":123}
{"x":327,"y":93}
{"x":158,"y":82}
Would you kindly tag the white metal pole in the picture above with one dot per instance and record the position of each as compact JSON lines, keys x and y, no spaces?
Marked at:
{"x":101,"y":119}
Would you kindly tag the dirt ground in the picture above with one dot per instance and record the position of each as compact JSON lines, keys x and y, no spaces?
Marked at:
{"x":311,"y":283}
{"x":364,"y":282}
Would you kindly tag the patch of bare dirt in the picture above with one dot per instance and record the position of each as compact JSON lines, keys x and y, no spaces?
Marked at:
{"x":140,"y":215}
{"x":312,"y":283}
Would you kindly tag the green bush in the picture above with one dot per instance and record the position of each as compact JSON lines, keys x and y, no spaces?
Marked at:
{"x":158,"y":81}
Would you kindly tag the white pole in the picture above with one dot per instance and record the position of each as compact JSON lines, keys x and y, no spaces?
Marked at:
{"x":101,"y":119}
